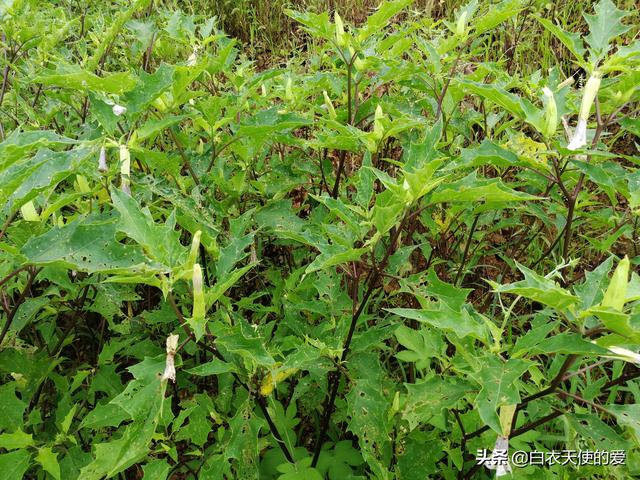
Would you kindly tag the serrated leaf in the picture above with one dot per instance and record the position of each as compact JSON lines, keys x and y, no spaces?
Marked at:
{"x":216,"y":367}
{"x":78,"y":79}
{"x":381,"y":17}
{"x":497,"y":379}
{"x":604,"y":25}
{"x":572,"y":41}
{"x":87,"y":244}
{"x":17,"y":439}
{"x":13,"y":465}
{"x":49,"y":461}
{"x":429,"y":397}
{"x":539,"y":289}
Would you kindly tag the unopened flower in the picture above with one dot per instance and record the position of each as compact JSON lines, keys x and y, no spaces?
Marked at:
{"x":626,"y":355}
{"x":579,"y":138}
{"x":329,"y":105}
{"x":590,"y":92}
{"x":102,"y":160}
{"x":550,"y":113}
{"x":125,"y":169}
{"x":462,"y":24}
{"x":198,"y":294}
{"x":288,"y":89}
{"x":118,"y":110}
{"x":341,"y":36}
{"x":378,"y":128}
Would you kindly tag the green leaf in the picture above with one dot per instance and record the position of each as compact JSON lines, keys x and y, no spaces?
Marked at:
{"x":78,"y":79}
{"x":616,"y":293}
{"x":427,"y":398}
{"x":591,"y":290}
{"x":472,"y":189}
{"x":216,"y":367}
{"x":18,"y":143}
{"x":487,"y":153}
{"x":539,"y":289}
{"x":522,"y":109}
{"x":604,"y":25}
{"x":87,"y":244}
{"x":160,"y":242}
{"x":49,"y":461}
{"x":596,"y":432}
{"x":331,"y":255}
{"x":155,"y":126}
{"x":627,"y":416}
{"x":156,"y":469}
{"x":13,"y":465}
{"x":11,"y":408}
{"x":148,"y":88}
{"x":572,"y":41}
{"x":23,"y":180}
{"x":318,"y":25}
{"x":567,"y":343}
{"x":497,"y":14}
{"x":461,"y":322}
{"x":17,"y":439}
{"x":376,"y":22}
{"x":498,"y":381}
{"x":142,"y":400}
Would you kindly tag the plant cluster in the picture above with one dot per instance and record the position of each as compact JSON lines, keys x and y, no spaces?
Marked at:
{"x":396,"y":249}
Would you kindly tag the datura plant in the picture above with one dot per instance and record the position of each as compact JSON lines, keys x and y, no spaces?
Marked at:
{"x":405,"y":248}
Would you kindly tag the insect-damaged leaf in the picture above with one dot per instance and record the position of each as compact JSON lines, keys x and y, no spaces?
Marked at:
{"x":88,"y":244}
{"x":497,"y":379}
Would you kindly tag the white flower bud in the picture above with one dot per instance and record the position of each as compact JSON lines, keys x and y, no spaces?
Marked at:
{"x":590,"y":92}
{"x":102,"y":160}
{"x":627,"y":355}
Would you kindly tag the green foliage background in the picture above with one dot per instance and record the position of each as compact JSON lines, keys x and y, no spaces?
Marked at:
{"x":369,"y":246}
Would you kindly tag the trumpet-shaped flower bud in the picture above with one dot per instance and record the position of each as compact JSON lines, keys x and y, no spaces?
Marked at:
{"x":550,"y":113}
{"x":579,"y":138}
{"x":590,"y":92}
{"x":125,"y":169}
{"x":125,"y":160}
{"x":341,"y":36}
{"x":378,"y":128}
{"x":461,"y":26}
{"x":193,"y":253}
{"x":198,"y":295}
{"x":102,"y":160}
{"x":329,"y":105}
{"x":288,"y":89}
